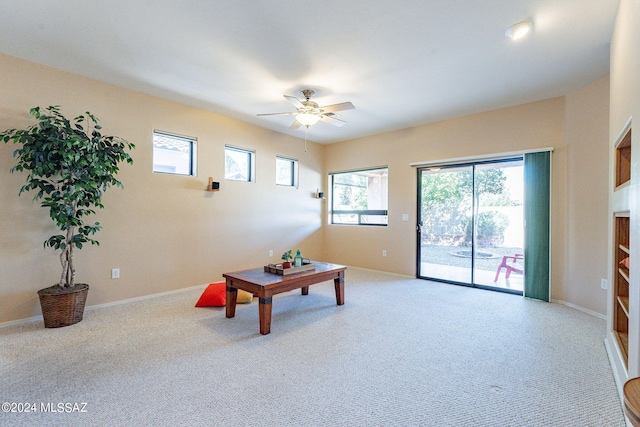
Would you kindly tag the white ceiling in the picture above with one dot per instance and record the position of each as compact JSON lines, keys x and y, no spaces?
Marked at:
{"x":401,"y":64}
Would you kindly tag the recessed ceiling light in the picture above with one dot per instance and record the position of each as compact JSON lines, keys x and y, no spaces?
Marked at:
{"x":519,"y":30}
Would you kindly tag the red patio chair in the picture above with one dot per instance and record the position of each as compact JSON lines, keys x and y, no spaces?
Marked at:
{"x":510,"y":267}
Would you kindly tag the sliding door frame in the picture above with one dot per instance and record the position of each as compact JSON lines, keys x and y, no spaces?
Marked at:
{"x":474,"y":218}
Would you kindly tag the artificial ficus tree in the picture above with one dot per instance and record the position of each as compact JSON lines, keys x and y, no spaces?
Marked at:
{"x":70,"y":165}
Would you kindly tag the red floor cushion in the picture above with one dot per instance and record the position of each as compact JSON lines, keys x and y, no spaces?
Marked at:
{"x":215,"y":295}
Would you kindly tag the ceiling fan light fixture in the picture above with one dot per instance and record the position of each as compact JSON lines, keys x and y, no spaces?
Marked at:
{"x":519,"y":30}
{"x":307,"y":119}
{"x":308,"y":113}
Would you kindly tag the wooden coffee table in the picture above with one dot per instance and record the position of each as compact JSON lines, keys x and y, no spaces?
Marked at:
{"x":265,"y":285}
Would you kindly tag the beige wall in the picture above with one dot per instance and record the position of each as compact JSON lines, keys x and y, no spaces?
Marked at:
{"x":576,"y":126}
{"x":587,"y":202}
{"x":625,"y":104}
{"x":164,"y":232}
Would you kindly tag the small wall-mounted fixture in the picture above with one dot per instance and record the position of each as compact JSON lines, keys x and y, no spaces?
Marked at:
{"x":213,"y":186}
{"x":319,"y":194}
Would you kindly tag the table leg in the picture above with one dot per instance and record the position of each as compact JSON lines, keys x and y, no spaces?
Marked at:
{"x":232,"y":296}
{"x":305,"y":290}
{"x":339,"y":285}
{"x":264,"y":310}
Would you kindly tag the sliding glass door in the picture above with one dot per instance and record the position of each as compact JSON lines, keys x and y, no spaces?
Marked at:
{"x":446,"y":208}
{"x":470,"y":230}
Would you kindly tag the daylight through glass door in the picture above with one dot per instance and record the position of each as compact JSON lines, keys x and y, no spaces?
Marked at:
{"x":470,"y":227}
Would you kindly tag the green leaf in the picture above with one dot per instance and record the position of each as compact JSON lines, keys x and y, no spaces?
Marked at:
{"x":70,"y":165}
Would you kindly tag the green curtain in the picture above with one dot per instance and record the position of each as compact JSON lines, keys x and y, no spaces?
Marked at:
{"x":537,"y":202}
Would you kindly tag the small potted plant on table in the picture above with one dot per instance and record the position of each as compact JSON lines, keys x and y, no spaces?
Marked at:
{"x":286,"y":258}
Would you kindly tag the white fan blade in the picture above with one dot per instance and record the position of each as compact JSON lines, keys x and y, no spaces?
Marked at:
{"x":295,"y":101}
{"x":276,"y":114}
{"x":337,"y":107}
{"x":332,"y":120}
{"x":295,"y":125}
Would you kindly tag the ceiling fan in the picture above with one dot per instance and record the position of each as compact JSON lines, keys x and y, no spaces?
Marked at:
{"x":309,"y":113}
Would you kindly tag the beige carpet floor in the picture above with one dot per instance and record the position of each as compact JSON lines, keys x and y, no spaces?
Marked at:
{"x":400,"y":352}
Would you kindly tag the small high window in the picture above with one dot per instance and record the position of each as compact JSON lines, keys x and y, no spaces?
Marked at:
{"x":286,"y":171}
{"x":239,"y":164}
{"x":174,"y":154}
{"x":360,"y":197}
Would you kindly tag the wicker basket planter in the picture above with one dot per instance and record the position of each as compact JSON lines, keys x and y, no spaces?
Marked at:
{"x":63,"y":307}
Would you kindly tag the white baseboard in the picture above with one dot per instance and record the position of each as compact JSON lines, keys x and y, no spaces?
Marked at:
{"x":582,"y":309}
{"x":144,"y":297}
{"x":21,"y":321}
{"x":107,"y":304}
{"x":404,"y":276}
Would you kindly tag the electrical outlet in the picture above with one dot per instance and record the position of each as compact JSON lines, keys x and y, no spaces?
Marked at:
{"x":270,"y":252}
{"x":115,"y":273}
{"x":604,"y":284}
{"x":384,"y":252}
{"x":405,"y":217}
